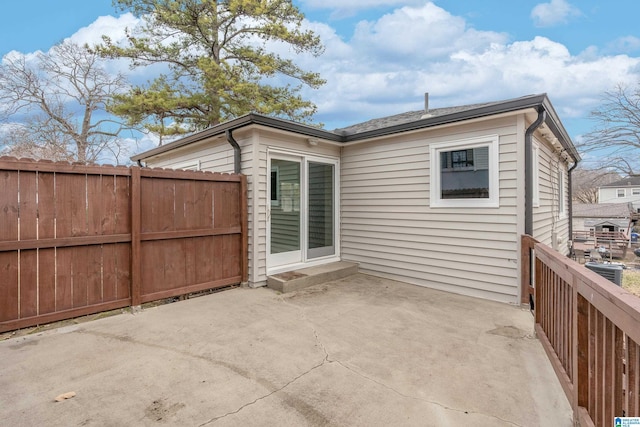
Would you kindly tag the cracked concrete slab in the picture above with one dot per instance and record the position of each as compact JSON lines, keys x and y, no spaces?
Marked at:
{"x":357,"y":351}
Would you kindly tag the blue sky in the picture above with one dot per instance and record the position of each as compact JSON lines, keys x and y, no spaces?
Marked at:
{"x":382,"y":55}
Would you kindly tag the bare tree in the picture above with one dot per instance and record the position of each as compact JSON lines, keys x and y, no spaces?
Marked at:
{"x":18,"y":142}
{"x":615,"y":140}
{"x":587,"y":181}
{"x":60,"y":98}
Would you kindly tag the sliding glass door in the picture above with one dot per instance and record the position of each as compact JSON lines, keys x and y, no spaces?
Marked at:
{"x":302,"y":209}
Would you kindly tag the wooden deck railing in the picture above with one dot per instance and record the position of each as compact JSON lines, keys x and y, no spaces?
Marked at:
{"x":590,"y":329}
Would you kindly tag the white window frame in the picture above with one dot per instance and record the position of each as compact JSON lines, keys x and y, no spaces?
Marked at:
{"x":535,"y":163}
{"x":624,"y":193}
{"x":635,"y":191}
{"x":562,"y":210}
{"x":490,"y":141}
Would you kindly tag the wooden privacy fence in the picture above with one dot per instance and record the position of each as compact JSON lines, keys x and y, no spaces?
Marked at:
{"x":590,"y":329}
{"x":77,"y":239}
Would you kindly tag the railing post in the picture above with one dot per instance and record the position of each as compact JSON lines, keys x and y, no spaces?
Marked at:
{"x":135,"y":237}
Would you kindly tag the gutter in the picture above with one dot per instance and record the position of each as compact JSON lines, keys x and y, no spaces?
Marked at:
{"x":528,"y":167}
{"x":236,"y":150}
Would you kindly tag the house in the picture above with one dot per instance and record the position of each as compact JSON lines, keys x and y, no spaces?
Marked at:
{"x":602,"y":217}
{"x":436,"y":197}
{"x":626,"y":190}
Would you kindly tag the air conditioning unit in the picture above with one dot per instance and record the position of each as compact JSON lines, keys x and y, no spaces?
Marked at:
{"x":611,"y":272}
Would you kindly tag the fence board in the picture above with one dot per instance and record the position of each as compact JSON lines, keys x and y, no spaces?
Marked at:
{"x":9,"y":205}
{"x":28,"y":274}
{"x":78,"y":239}
{"x":46,"y":205}
{"x":46,"y":281}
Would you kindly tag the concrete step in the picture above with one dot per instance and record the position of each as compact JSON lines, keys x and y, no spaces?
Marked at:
{"x":299,"y":279}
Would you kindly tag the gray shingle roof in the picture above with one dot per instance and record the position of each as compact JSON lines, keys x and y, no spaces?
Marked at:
{"x":630,"y":181}
{"x":602,"y":210}
{"x":408,"y":117}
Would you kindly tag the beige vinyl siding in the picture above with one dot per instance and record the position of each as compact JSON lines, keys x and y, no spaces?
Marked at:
{"x":549,"y":226}
{"x":389,"y":228}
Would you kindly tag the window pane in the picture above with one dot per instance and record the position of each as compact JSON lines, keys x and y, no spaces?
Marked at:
{"x":463,"y":178}
{"x":285,"y":214}
{"x":321,"y":209}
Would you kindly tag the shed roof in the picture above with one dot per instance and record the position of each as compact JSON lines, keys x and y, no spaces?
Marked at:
{"x":395,"y":124}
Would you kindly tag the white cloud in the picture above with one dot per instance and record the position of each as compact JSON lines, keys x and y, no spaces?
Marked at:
{"x":105,"y":25}
{"x":388,"y":64}
{"x":553,"y":13}
{"x":347,"y":6}
{"x":625,"y":44}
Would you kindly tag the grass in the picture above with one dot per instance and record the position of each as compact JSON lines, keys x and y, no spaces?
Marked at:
{"x":631,"y":281}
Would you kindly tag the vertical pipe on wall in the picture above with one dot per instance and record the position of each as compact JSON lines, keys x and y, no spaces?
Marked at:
{"x":528,"y":176}
{"x":236,"y":151}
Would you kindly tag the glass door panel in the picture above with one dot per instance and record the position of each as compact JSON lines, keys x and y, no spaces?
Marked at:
{"x":320,"y":227}
{"x":285,"y":221}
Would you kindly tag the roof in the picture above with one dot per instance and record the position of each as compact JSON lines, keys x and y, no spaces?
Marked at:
{"x":630,"y":181}
{"x":602,"y":210}
{"x":410,"y":116}
{"x":594,"y":222}
{"x":395,"y":124}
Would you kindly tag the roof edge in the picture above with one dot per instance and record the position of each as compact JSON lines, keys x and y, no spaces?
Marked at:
{"x":240,"y":122}
{"x":538,"y":102}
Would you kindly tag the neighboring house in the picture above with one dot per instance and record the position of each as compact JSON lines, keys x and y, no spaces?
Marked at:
{"x":607,"y":217}
{"x":626,"y":190}
{"x":437,"y":198}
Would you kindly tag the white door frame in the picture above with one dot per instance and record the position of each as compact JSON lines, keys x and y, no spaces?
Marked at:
{"x":277,"y":263}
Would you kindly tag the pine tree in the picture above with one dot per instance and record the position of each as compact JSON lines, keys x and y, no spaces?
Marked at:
{"x":221,"y":62}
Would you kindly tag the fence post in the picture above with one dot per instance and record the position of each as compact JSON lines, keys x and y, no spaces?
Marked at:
{"x":135,"y":236}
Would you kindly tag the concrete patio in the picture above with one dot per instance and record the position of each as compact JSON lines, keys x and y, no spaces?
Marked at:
{"x":359,"y":351}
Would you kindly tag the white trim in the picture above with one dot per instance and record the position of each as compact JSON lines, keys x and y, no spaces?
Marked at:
{"x":298,"y":265}
{"x":296,"y":259}
{"x":562,"y":208}
{"x":493,"y":201}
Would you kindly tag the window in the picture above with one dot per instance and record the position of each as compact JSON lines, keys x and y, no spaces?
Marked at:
{"x":635,"y":192}
{"x":275,"y":188}
{"x":621,"y":192}
{"x":561,"y":202}
{"x":465,"y":173}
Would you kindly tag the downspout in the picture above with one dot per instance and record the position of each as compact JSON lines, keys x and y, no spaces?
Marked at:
{"x":528,"y":167}
{"x":236,"y":151}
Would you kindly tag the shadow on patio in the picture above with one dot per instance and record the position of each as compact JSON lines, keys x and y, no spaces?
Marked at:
{"x":357,"y":351}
